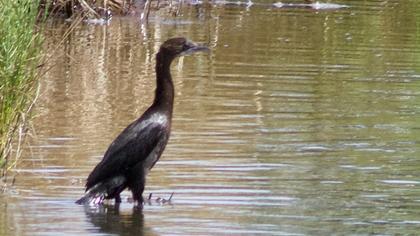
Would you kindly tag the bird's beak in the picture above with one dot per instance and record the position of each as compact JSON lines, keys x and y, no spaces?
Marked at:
{"x":194,"y":48}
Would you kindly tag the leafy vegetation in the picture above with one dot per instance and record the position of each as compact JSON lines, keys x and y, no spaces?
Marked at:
{"x":20,"y":48}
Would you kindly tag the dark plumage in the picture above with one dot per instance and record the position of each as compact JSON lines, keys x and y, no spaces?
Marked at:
{"x":137,"y":149}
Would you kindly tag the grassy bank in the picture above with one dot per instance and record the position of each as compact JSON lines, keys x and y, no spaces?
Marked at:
{"x":20,"y":48}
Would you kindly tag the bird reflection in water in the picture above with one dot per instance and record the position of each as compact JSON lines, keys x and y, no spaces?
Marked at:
{"x":109,"y":219}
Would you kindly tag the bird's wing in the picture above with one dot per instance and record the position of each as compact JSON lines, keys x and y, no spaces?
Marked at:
{"x":132,"y":146}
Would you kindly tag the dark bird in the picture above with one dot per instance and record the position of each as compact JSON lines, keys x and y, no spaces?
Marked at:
{"x":137,"y":149}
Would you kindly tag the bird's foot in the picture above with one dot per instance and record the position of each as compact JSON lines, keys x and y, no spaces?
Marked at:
{"x":117,"y":199}
{"x":159,"y":199}
{"x":138,"y":206}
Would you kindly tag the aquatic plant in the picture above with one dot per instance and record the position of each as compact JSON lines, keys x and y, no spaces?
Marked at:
{"x":20,"y":48}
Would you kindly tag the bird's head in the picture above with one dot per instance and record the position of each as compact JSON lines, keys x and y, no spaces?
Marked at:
{"x":180,"y":47}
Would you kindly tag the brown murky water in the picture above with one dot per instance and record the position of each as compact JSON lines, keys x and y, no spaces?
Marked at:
{"x":300,"y":122}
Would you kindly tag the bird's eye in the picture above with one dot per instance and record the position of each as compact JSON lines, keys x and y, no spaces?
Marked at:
{"x":185,"y":47}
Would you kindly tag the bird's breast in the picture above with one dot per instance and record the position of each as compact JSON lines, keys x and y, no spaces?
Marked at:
{"x":154,"y":156}
{"x":159,"y":118}
{"x":155,"y":119}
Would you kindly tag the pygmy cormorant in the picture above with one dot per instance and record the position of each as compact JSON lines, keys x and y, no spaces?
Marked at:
{"x":137,"y":149}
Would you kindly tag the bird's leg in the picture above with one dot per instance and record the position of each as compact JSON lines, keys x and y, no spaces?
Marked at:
{"x":138,"y":207}
{"x":118,"y":198}
{"x":138,"y":201}
{"x":138,"y":189}
{"x":137,"y":196}
{"x":136,"y":183}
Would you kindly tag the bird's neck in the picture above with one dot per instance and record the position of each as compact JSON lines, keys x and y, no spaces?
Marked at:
{"x":164,"y":94}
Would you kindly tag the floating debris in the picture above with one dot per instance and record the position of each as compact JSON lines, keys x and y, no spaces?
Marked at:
{"x":316,"y":5}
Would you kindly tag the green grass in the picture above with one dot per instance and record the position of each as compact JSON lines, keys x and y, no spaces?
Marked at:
{"x":20,"y":49}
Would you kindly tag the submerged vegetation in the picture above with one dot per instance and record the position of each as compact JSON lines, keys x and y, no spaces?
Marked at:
{"x":20,"y":48}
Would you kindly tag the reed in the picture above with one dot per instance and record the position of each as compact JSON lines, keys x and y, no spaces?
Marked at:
{"x":104,"y":9}
{"x":87,"y":8}
{"x":20,"y":52}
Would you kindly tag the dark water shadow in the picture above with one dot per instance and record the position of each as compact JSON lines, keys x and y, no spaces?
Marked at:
{"x":110,"y":220}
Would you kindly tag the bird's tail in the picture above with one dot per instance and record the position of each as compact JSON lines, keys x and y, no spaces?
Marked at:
{"x":100,"y":191}
{"x":96,"y":194}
